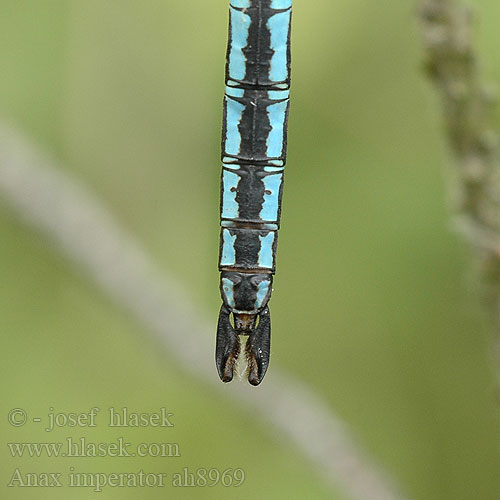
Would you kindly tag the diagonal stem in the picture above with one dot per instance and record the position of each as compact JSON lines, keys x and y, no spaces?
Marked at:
{"x":60,"y":206}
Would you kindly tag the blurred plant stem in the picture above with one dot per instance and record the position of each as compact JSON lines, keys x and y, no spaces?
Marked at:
{"x":452,"y":64}
{"x":62,"y":207}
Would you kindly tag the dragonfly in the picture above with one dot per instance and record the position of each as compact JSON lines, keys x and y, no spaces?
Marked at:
{"x":254,"y":142}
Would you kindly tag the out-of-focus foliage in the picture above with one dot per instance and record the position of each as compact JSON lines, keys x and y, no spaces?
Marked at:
{"x":374,"y":305}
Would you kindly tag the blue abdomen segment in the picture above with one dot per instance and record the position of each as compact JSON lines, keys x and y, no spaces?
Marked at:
{"x":259,"y":44}
{"x":251,"y":194}
{"x":248,"y":249}
{"x":255,"y":126}
{"x":245,"y":292}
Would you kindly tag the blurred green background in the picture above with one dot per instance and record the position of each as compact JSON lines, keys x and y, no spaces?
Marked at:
{"x":375,"y":305}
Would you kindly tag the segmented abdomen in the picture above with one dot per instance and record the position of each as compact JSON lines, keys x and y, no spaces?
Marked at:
{"x":254,"y":142}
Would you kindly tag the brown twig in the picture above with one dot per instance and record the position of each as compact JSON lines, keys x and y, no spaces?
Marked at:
{"x":452,"y":64}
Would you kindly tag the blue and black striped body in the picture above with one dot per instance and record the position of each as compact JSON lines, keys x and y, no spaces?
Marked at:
{"x":254,"y":139}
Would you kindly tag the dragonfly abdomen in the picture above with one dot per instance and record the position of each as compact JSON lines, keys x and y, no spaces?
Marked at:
{"x":254,"y":140}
